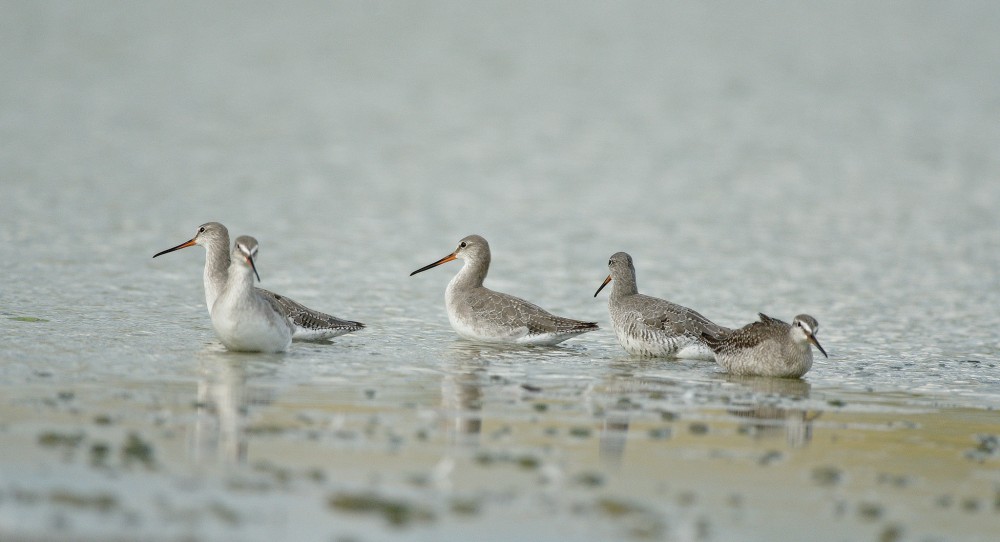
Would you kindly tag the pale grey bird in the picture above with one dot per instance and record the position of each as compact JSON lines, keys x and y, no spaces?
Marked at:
{"x":308,"y":324}
{"x":480,"y":314}
{"x":244,"y":318}
{"x":649,"y":326}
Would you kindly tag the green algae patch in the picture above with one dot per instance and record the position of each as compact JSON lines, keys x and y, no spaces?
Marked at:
{"x":827,"y":476}
{"x":870,"y":511}
{"x":528,"y":462}
{"x":698,"y":428}
{"x":589,"y":479}
{"x":614,"y":507}
{"x":99,"y":452}
{"x":642,"y":523}
{"x":891,"y":533}
{"x":32,"y":319}
{"x":136,"y":450}
{"x":465,"y":506}
{"x":266,"y":429}
{"x":103,"y":419}
{"x":524,"y":461}
{"x":396,"y":512}
{"x":53,"y":439}
{"x":101,"y":502}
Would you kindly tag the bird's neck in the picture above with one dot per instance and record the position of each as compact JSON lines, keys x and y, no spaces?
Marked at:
{"x":623,"y":286}
{"x":240,"y":278}
{"x":800,"y":339}
{"x":216,"y":270}
{"x":472,"y":274}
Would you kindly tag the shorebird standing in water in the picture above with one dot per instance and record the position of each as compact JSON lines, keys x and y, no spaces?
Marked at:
{"x":769,"y":347}
{"x":245,"y":319}
{"x":649,"y":326}
{"x":480,"y":314}
{"x":308,"y":324}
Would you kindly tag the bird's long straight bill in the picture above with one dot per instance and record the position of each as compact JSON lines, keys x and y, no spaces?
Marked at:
{"x":812,"y":339}
{"x":253,"y":266}
{"x":185,"y":244}
{"x":603,"y":284}
{"x":446,"y":259}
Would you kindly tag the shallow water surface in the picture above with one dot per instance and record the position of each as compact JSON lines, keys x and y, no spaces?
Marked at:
{"x":832,"y":160}
{"x":477,"y":444}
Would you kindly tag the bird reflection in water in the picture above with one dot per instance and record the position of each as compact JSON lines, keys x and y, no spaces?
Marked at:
{"x":613,"y":398}
{"x":766,"y":411}
{"x":219,"y":434}
{"x":765,"y":406}
{"x":462,"y":392}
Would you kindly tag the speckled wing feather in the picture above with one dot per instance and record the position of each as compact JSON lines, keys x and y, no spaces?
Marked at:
{"x":675,"y":319}
{"x":272,"y":300}
{"x":748,"y":336}
{"x":305,"y":318}
{"x":513,"y":311}
{"x":770,"y":321}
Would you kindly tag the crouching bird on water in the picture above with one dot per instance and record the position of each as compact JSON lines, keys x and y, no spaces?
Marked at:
{"x":769,"y":347}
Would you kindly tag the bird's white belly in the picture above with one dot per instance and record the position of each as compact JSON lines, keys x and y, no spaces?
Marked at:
{"x":476,"y":331}
{"x":477,"y":327}
{"x":768,"y":360}
{"x":308,"y":334}
{"x":245,"y":332}
{"x":486,"y":331}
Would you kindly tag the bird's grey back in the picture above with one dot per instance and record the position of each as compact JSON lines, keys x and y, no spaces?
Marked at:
{"x":671,"y":318}
{"x":748,"y":336}
{"x":304,"y":317}
{"x":507,"y":310}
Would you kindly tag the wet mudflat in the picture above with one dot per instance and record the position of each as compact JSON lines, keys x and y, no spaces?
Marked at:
{"x":486,"y":445}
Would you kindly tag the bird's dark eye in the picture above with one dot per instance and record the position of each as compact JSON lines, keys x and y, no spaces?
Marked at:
{"x":462,"y":244}
{"x":609,"y":262}
{"x":201,"y":229}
